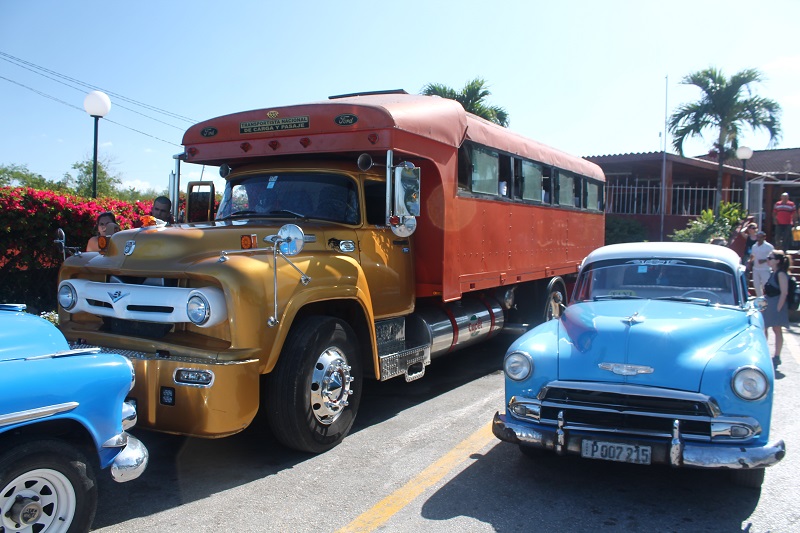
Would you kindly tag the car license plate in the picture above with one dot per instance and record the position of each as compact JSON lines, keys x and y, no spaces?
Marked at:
{"x":613,"y":451}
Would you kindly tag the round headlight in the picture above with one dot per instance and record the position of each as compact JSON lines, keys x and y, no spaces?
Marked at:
{"x":198,"y":309}
{"x":518,"y":365}
{"x":749,"y":383}
{"x":67,"y":298}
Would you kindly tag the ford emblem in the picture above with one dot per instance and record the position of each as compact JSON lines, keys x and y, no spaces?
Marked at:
{"x":346,"y":119}
{"x":129,"y":247}
{"x":208,"y":132}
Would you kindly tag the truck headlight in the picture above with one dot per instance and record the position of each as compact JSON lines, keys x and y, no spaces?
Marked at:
{"x":67,"y":297}
{"x":749,"y":383}
{"x":518,"y":365}
{"x":198,"y":309}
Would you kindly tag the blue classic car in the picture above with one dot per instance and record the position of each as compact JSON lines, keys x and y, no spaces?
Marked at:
{"x":63,"y":415}
{"x":659,"y":358}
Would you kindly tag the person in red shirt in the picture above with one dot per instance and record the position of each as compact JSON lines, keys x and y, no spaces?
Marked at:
{"x":784,"y":217}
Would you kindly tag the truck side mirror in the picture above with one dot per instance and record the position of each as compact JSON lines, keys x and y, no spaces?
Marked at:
{"x":406,"y":189}
{"x":405,"y":200}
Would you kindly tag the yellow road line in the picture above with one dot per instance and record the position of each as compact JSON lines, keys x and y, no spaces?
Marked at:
{"x":389,"y":506}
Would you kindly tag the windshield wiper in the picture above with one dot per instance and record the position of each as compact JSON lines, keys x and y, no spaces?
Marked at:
{"x":251,"y":213}
{"x":705,"y":301}
{"x":287,"y":212}
{"x":241,"y":213}
{"x":616,"y":297}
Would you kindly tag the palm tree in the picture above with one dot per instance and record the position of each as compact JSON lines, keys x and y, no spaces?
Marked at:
{"x":472,"y":97}
{"x":726,"y":106}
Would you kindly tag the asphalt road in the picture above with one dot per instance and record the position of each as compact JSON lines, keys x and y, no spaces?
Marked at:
{"x":422,"y":458}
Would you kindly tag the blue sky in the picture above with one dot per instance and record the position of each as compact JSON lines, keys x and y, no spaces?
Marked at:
{"x":586,"y":76}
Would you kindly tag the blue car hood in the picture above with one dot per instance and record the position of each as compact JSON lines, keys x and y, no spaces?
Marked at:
{"x":25,"y":335}
{"x":644,"y":342}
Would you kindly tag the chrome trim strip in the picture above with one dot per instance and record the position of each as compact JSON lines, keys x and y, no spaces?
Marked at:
{"x":37,"y":413}
{"x":144,"y":356}
{"x":129,"y":416}
{"x":79,"y":351}
{"x":117,"y":441}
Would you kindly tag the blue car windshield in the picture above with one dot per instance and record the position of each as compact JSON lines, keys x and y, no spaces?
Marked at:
{"x":690,"y":280}
{"x":305,"y":195}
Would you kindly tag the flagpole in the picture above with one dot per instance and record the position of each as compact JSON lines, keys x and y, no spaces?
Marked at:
{"x":664,"y":159}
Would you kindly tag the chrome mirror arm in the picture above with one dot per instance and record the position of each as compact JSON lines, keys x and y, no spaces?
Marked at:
{"x":304,"y":279}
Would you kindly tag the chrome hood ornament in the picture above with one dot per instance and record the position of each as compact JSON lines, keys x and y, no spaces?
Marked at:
{"x":622,"y":369}
{"x":635,"y":318}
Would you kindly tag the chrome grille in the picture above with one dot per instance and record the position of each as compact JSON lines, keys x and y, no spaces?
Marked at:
{"x":627,"y":408}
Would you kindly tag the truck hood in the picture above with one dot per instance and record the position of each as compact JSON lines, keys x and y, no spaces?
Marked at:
{"x":180,"y":243}
{"x":150,"y":248}
{"x":644,"y":342}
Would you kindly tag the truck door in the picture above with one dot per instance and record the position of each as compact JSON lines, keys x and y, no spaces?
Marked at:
{"x":387,"y":260}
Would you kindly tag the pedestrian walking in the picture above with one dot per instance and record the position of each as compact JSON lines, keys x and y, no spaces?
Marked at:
{"x":760,"y":265}
{"x":776,"y":290}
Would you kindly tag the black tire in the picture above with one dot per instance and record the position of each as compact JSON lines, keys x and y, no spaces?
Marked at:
{"x":751,"y":478}
{"x":545,"y":305}
{"x":46,"y":486}
{"x":318,"y":347}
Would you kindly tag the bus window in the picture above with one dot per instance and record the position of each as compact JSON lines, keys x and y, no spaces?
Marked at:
{"x":593,"y":198}
{"x":531,"y":181}
{"x":506,"y":176}
{"x":549,"y":185}
{"x":464,"y":167}
{"x":578,"y":193}
{"x":566,"y":189}
{"x":484,"y":171}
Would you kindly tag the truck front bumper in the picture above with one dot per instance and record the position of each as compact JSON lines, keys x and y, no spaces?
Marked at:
{"x":675,"y":451}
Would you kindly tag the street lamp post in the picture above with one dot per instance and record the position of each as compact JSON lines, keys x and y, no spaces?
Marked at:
{"x":744,"y":153}
{"x":97,"y":104}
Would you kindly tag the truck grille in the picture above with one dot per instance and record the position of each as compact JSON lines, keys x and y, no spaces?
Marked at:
{"x":134,"y":328}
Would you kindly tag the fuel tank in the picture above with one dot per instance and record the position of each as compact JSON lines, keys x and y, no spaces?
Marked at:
{"x":456,"y":325}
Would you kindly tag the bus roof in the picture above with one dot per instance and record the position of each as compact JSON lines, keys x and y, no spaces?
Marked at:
{"x":248,"y":134}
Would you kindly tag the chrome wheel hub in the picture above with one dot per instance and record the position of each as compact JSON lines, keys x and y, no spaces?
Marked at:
{"x":330,"y":386}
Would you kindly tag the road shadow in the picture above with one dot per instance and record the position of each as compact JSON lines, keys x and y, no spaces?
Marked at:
{"x":185,"y":469}
{"x":385,"y":400}
{"x":514,"y":493}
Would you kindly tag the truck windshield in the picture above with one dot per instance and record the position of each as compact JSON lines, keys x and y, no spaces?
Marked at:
{"x":332,"y":197}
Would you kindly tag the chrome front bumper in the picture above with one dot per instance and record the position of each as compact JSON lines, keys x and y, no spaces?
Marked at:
{"x":131,"y":461}
{"x":675,"y":452}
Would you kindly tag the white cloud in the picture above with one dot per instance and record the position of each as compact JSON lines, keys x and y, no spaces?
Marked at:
{"x":139,"y":185}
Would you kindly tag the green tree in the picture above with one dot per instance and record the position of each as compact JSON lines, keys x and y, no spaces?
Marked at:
{"x":107,"y":183}
{"x":472,"y":98}
{"x":21,"y":176}
{"x":725,"y":107}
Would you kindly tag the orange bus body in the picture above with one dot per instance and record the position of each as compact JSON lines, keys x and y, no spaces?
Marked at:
{"x":464,"y":242}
